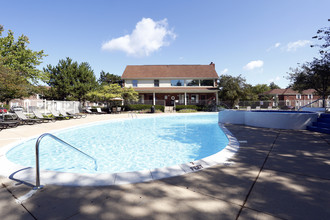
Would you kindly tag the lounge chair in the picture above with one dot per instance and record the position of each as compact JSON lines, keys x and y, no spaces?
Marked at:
{"x":25,"y":119}
{"x":38,"y":115}
{"x":63,"y":113}
{"x":90,"y":112}
{"x":9,"y":123}
{"x":99,"y":111}
{"x":76,"y":115}
{"x":57,"y":115}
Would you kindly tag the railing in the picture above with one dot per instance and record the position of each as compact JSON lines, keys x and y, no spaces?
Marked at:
{"x":38,"y":186}
{"x":309,"y":104}
{"x":132,"y":114}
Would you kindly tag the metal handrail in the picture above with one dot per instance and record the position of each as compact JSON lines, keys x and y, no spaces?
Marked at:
{"x":309,"y":104}
{"x":132,"y":114}
{"x":38,"y":186}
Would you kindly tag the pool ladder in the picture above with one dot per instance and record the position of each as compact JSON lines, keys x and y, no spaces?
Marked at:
{"x":38,"y":186}
{"x":132,"y":114}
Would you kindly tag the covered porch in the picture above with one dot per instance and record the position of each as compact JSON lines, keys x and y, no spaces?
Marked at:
{"x":171,"y":97}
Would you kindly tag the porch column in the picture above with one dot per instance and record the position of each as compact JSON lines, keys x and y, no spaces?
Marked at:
{"x":216,"y":98}
{"x":185,"y":98}
{"x":154,"y":99}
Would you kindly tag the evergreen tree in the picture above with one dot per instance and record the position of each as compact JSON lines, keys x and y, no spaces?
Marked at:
{"x":70,"y":80}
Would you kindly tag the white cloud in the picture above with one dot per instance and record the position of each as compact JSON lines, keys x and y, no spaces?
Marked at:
{"x":254,"y":65}
{"x":293,"y":46}
{"x":147,"y":37}
{"x":224,"y":71}
{"x":277,"y":78}
{"x":274,"y":46}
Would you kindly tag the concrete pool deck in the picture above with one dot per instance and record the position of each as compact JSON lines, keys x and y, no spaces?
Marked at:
{"x":276,"y":174}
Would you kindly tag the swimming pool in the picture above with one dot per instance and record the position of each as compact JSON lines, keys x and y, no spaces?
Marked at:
{"x":126,"y":146}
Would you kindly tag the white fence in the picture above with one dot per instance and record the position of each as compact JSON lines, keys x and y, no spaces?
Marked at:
{"x":45,"y":106}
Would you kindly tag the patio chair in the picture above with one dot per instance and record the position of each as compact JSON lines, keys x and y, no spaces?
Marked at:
{"x":25,"y":119}
{"x":57,"y":115}
{"x":99,"y":111}
{"x":38,"y":115}
{"x":77,"y":116}
{"x":63,"y":113}
{"x":9,"y":123}
{"x":78,"y":113}
{"x":90,"y":112}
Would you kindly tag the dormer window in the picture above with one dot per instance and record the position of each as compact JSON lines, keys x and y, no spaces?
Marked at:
{"x":177,"y":82}
{"x":192,"y":82}
{"x":156,"y":83}
{"x":135,"y":83}
{"x":207,"y":82}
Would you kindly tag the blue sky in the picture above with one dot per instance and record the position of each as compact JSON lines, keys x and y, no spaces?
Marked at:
{"x":260,"y":40}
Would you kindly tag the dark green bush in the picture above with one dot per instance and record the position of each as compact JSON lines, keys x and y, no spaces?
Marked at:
{"x":139,"y":107}
{"x":179,"y":107}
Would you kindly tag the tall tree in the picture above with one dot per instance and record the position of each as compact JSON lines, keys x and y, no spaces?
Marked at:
{"x":12,"y":85}
{"x":108,"y":78}
{"x":70,"y":80}
{"x":272,"y":85}
{"x":16,"y":56}
{"x":231,"y":89}
{"x":315,"y":74}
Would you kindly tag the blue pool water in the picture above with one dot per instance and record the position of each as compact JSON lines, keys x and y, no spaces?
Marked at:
{"x":127,"y":145}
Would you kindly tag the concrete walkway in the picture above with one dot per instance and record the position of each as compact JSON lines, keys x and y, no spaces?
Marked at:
{"x":276,"y":174}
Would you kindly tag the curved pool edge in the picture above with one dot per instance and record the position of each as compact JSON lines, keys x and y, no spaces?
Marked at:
{"x":27,"y":174}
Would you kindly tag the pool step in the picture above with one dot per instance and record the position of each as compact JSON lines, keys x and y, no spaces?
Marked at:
{"x":322,"y":125}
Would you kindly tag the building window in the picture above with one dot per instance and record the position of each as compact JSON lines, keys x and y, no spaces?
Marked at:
{"x":192,"y":82}
{"x":310,"y":96}
{"x":179,"y":82}
{"x":135,"y":83}
{"x":298,"y":96}
{"x":207,"y":82}
{"x":194,"y":98}
{"x":156,"y":83}
{"x":141,"y":99}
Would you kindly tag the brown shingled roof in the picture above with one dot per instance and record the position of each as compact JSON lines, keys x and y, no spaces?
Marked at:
{"x":169,"y":71}
{"x":289,"y":91}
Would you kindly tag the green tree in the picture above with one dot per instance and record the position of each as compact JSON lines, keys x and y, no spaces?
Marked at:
{"x":108,"y":78}
{"x":231,"y":89}
{"x":70,"y":80}
{"x":272,"y":85}
{"x":16,"y":56}
{"x":315,"y":74}
{"x":108,"y":92}
{"x":12,"y":85}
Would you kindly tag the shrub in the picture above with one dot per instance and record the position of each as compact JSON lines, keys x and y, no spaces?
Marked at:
{"x":187,"y":111}
{"x":180,"y":107}
{"x":140,"y":107}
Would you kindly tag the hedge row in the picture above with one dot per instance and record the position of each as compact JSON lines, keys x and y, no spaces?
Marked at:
{"x":139,"y":107}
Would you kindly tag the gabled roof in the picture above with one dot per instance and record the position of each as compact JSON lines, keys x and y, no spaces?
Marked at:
{"x":169,"y":71}
{"x":289,"y":91}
